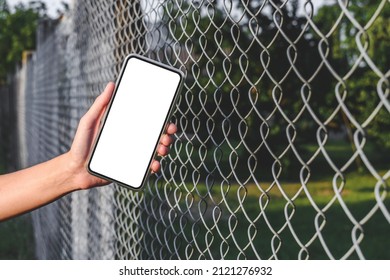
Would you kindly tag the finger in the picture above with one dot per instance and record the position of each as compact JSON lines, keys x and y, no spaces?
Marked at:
{"x":166,"y":140}
{"x":100,"y":102}
{"x":162,"y":150}
{"x":155,"y":166}
{"x":172,"y":128}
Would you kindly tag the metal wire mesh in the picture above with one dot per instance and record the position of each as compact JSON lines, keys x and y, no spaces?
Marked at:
{"x":283,"y":130}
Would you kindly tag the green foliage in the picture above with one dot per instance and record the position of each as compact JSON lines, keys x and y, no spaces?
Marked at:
{"x":17,"y":33}
{"x":254,"y":70}
{"x":243,"y":75}
{"x":361,"y":87}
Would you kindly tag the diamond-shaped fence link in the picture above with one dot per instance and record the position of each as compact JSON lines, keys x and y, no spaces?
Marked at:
{"x":284,"y":129}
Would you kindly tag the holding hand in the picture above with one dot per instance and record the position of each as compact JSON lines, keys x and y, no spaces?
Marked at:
{"x":85,"y":137}
{"x":38,"y":185}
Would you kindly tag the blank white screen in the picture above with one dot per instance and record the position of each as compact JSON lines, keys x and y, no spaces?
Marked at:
{"x":133,"y":124}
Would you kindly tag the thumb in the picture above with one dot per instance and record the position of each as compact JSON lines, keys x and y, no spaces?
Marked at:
{"x":100,"y":103}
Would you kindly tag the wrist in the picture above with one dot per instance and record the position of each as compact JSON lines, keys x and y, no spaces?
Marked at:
{"x":78,"y":176}
{"x":71,"y":171}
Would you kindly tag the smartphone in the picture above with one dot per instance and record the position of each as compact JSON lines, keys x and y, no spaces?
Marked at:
{"x":134,"y":121}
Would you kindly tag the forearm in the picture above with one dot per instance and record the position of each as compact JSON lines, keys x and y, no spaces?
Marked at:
{"x":36,"y":186}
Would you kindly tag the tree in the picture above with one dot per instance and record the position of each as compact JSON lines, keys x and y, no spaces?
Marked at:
{"x":361,"y":86}
{"x":242,"y":74}
{"x":253,"y":67}
{"x":17,"y":33}
{"x":4,"y":9}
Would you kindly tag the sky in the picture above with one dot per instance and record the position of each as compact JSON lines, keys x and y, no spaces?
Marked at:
{"x":52,"y":5}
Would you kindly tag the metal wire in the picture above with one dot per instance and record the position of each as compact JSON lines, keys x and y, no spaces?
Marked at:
{"x":254,"y":172}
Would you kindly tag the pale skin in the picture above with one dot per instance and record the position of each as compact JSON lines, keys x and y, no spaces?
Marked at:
{"x":33,"y":187}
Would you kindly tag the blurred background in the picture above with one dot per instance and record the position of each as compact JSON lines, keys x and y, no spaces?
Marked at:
{"x":284,"y":127}
{"x":18,"y":27}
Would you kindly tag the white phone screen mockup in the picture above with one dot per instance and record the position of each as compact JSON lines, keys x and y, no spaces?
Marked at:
{"x":135,"y":119}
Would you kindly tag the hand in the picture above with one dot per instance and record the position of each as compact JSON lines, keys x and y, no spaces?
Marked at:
{"x":33,"y":187}
{"x":85,"y":135}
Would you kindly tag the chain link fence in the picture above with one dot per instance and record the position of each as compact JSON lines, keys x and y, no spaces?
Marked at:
{"x":284,"y":129}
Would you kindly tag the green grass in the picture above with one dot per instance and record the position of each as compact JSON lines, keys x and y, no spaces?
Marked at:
{"x":229,"y":224}
{"x":231,"y":216}
{"x":225,"y":225}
